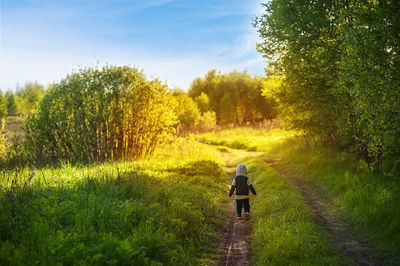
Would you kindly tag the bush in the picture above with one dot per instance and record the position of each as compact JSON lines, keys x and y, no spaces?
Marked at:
{"x":112,"y":112}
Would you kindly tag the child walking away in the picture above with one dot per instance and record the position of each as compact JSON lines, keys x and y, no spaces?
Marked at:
{"x":241,"y":183}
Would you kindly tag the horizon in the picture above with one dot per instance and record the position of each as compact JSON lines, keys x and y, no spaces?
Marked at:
{"x":173,"y":40}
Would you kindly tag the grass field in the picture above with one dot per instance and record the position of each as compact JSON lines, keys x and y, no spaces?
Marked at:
{"x":158,"y":212}
{"x":168,"y":210}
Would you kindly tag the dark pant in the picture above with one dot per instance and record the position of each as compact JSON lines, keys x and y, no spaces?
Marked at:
{"x":242,"y":202}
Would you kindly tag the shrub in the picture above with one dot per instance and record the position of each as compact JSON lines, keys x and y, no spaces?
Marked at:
{"x":112,"y":112}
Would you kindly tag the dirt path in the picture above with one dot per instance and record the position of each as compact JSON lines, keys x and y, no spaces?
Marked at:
{"x":329,"y":217}
{"x":236,"y":234}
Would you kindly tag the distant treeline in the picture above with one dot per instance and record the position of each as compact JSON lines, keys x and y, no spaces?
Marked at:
{"x":236,"y":97}
{"x":338,"y":66}
{"x":116,"y":112}
{"x":23,"y":101}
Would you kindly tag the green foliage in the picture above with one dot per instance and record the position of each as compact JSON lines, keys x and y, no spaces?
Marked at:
{"x":3,"y":140}
{"x":235,"y":97}
{"x":203,"y":102}
{"x":371,"y":67}
{"x":338,"y":65}
{"x":300,"y":41}
{"x":104,"y":113}
{"x":186,"y":110}
{"x":29,"y":97}
{"x":158,"y":212}
{"x":11,"y":104}
{"x":3,"y":106}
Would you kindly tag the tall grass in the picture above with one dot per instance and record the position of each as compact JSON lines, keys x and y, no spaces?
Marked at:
{"x":157,"y":212}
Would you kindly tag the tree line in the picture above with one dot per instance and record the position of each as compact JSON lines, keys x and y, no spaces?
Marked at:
{"x":21,"y":102}
{"x":235,"y":97}
{"x":116,"y":112}
{"x":337,"y":65}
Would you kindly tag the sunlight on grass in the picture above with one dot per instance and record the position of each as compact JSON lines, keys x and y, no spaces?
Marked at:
{"x":151,"y":212}
{"x":248,"y":138}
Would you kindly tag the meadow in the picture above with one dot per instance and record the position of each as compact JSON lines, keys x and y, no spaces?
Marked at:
{"x":148,"y":212}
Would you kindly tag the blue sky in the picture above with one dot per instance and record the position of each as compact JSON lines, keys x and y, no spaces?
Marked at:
{"x":176,"y":41}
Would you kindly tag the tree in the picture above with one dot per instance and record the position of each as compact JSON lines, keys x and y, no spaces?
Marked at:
{"x":338,"y":66}
{"x":235,"y":97}
{"x":186,"y":110}
{"x":11,"y":105}
{"x":29,"y":97}
{"x":300,"y":41}
{"x":371,"y":67}
{"x":3,"y":106}
{"x":203,"y":102}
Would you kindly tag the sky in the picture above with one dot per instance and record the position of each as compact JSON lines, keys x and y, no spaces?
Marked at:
{"x":175,"y":41}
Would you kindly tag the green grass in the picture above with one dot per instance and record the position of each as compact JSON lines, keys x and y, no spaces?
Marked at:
{"x":370,"y":202}
{"x":165,"y":211}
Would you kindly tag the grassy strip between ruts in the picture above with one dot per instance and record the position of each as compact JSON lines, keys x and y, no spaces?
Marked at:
{"x":371,"y":203}
{"x":127,"y":213}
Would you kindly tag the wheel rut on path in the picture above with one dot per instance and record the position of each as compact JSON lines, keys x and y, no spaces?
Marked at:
{"x":329,"y":217}
{"x":236,"y":235}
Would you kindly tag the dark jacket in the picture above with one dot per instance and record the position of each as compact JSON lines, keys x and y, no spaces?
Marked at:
{"x":242,"y":185}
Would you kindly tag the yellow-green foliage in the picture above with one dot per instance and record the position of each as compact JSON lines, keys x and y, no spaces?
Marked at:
{"x":106,"y":113}
{"x":235,"y":97}
{"x":187,"y":111}
{"x":157,"y":212}
{"x":3,"y":140}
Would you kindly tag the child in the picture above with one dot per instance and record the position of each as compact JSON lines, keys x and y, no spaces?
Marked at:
{"x":242,"y":185}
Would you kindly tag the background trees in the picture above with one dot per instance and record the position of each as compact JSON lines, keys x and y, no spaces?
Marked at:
{"x":104,"y":113}
{"x":3,"y":106}
{"x":235,"y":97}
{"x":29,"y":97}
{"x":11,"y":104}
{"x":338,"y":65}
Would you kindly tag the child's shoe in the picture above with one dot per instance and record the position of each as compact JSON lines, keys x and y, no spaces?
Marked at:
{"x":247,"y":215}
{"x":239,"y":217}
